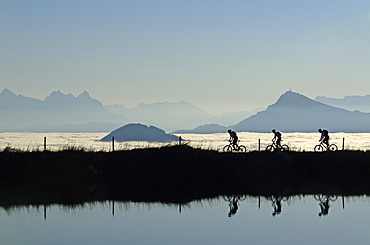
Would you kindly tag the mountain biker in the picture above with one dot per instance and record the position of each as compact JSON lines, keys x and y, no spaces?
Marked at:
{"x":277,"y":137}
{"x":233,"y":138}
{"x":324,"y":136}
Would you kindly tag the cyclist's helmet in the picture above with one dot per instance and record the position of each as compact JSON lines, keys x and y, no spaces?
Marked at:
{"x":273,"y":131}
{"x":229,"y":130}
{"x":319,"y":130}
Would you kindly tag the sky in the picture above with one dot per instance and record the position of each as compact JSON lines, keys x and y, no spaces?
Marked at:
{"x":222,"y":56}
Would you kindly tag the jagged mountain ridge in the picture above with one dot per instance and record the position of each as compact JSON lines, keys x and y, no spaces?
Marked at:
{"x":18,"y":111}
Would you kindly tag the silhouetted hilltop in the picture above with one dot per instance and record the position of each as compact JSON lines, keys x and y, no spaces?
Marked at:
{"x":294,"y":112}
{"x":351,"y":103}
{"x":140,"y":132}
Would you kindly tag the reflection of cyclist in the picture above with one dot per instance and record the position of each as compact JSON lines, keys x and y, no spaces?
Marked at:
{"x":324,"y":207}
{"x":277,"y":137}
{"x":277,"y":205}
{"x":233,"y":138}
{"x":234,"y":206}
{"x":324,"y":136}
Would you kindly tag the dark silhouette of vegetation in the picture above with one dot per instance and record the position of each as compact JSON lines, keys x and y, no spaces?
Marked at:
{"x":177,"y":174}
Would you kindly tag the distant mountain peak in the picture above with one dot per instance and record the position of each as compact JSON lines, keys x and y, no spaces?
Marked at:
{"x":58,"y":95}
{"x":293,"y":99}
{"x":84,"y":95}
{"x":7,"y":93}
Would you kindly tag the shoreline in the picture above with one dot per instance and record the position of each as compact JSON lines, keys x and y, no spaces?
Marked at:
{"x":177,"y":174}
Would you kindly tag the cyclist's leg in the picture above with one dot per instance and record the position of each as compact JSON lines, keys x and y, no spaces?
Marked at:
{"x":235,"y":143}
{"x":278,"y":143}
{"x":326,"y":141}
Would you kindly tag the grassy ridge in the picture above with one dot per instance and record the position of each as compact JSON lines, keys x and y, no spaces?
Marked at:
{"x":176,"y":174}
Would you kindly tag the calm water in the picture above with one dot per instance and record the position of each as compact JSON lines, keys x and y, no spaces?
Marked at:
{"x":90,"y":141}
{"x":200,"y":222}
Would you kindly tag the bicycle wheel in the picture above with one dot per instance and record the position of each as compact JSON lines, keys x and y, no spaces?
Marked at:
{"x":228,"y":198}
{"x":228,"y":148}
{"x":242,"y":148}
{"x":270,"y":148}
{"x":318,"y":148}
{"x":333,"y":147}
{"x":332,"y":197}
{"x":241,"y":197}
{"x":284,"y":148}
{"x":319,"y":197}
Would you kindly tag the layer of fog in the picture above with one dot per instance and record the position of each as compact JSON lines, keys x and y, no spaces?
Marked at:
{"x":60,"y":141}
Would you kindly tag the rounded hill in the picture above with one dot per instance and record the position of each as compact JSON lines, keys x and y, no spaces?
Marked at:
{"x":140,"y":132}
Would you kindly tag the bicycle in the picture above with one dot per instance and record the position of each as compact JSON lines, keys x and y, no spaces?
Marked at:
{"x":274,"y":147}
{"x":230,"y":147}
{"x":320,"y":147}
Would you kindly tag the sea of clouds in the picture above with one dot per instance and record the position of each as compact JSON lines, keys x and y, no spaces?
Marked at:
{"x":90,"y":141}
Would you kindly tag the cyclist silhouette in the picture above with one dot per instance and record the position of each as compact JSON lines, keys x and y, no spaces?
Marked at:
{"x":277,"y":137}
{"x":233,"y":138}
{"x":324,"y":136}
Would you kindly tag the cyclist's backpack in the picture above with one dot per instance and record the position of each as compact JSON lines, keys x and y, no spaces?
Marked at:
{"x":326,"y":133}
{"x":233,"y":134}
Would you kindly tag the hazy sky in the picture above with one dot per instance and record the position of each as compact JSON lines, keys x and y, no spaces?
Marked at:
{"x":219,"y":55}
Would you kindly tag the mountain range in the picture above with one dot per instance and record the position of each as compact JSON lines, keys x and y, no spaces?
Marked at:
{"x":60,"y":112}
{"x":57,"y":112}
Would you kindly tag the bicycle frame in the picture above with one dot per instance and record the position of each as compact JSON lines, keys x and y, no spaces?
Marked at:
{"x":274,"y":147}
{"x":322,"y":146}
{"x":231,"y":147}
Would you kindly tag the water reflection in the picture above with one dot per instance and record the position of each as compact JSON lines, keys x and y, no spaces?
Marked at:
{"x":324,"y":203}
{"x":233,"y":203}
{"x":236,"y":219}
{"x":276,"y":204}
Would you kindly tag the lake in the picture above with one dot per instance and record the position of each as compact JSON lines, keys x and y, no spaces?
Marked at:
{"x":90,"y":141}
{"x":200,"y":222}
{"x":303,"y":219}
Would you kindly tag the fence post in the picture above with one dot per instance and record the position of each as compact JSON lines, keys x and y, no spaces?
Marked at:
{"x":343,"y":202}
{"x":259,"y":202}
{"x":179,"y":140}
{"x":44,"y":143}
{"x":343,"y":144}
{"x":113,"y":143}
{"x":259,"y":144}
